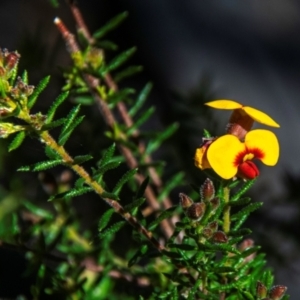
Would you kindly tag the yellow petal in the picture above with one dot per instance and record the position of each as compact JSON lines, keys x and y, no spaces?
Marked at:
{"x":201,"y":159}
{"x":224,"y":104}
{"x":222,"y":153}
{"x":260,"y":117}
{"x":264,"y":145}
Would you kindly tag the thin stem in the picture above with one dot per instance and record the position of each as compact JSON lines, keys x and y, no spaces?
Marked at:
{"x":226,"y":213}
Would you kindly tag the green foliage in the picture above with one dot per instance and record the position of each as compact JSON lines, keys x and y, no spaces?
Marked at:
{"x":37,"y":91}
{"x":110,"y":25}
{"x":17,"y":141}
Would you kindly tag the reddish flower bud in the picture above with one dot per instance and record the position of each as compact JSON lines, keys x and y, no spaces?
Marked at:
{"x":196,"y":211}
{"x":220,"y":237}
{"x":185,"y":201}
{"x":11,"y":60}
{"x":261,"y":290}
{"x":207,"y":232}
{"x":247,"y":170}
{"x":215,"y":203}
{"x":213,"y":226}
{"x":207,"y":190}
{"x":245,"y":244}
{"x":277,"y":292}
{"x":210,"y":229}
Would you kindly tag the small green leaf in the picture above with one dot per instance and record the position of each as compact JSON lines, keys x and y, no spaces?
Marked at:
{"x":164,"y":215}
{"x":246,"y":210}
{"x":119,"y":96}
{"x":155,"y":143}
{"x":185,"y":247}
{"x":105,"y":219}
{"x":81,"y":159}
{"x":79,"y":183}
{"x":135,"y":204}
{"x":118,"y":61}
{"x":57,"y":102}
{"x":222,"y":269}
{"x":37,"y":210}
{"x":138,"y":255}
{"x":142,"y":188}
{"x":109,"y":166}
{"x":84,"y":100}
{"x":25,"y":77}
{"x":234,"y":183}
{"x":127,"y":176}
{"x":268,"y":279}
{"x":140,"y":99}
{"x":243,"y":190}
{"x":243,"y":214}
{"x":72,"y":193}
{"x":247,"y":295}
{"x":107,"y":45}
{"x":54,"y":124}
{"x":242,"y":201}
{"x":70,"y":118}
{"x":128,"y":72}
{"x":64,"y":136}
{"x":110,"y":196}
{"x":44,"y":165}
{"x":17,"y":141}
{"x":144,"y":117}
{"x":110,"y":25}
{"x":40,"y":87}
{"x":112,"y":230}
{"x":51,"y":153}
{"x":107,"y":155}
{"x":250,"y":251}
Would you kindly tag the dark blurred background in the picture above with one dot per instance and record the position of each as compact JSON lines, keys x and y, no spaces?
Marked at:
{"x":195,"y":51}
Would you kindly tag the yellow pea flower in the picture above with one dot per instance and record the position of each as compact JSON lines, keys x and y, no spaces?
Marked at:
{"x":229,"y":157}
{"x":254,"y":113}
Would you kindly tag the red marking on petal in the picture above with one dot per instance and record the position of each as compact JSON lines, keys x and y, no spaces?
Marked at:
{"x":239,"y":158}
{"x":247,"y":170}
{"x":258,"y":153}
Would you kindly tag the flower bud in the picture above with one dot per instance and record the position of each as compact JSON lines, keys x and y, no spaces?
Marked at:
{"x":261,"y":290}
{"x":277,"y":292}
{"x":207,"y":232}
{"x":215,"y":203}
{"x":213,"y":226}
{"x":185,"y":201}
{"x":11,"y":59}
{"x":245,"y":244}
{"x":210,"y":229}
{"x":196,"y":211}
{"x":220,"y":237}
{"x":207,"y":190}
